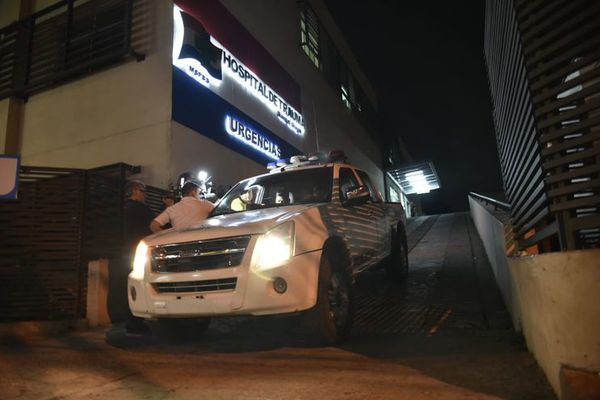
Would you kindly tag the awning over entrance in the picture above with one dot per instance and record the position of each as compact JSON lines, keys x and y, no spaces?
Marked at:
{"x":415,"y":178}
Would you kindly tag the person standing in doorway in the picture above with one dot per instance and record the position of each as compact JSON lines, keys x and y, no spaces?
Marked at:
{"x":189,"y":211}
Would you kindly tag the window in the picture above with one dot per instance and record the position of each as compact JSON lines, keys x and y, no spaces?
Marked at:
{"x":324,"y":54}
{"x":349,"y":89}
{"x":367,"y":182}
{"x":346,"y":86}
{"x":309,"y":34}
{"x":312,"y":185}
{"x":347,"y":182}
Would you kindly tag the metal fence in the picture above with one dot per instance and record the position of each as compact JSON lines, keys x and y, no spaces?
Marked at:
{"x":561,"y":42}
{"x":515,"y":126}
{"x":544,"y":75}
{"x":62,"y":219}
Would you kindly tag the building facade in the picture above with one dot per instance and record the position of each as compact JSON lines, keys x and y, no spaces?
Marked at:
{"x":221,"y":86}
{"x":544,"y":77}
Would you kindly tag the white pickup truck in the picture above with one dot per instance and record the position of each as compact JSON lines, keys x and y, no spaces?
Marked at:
{"x":292,"y":240}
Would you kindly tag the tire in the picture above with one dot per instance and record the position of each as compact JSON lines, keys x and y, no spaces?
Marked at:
{"x":396,"y":266}
{"x":329,"y":322}
{"x":178,"y":330}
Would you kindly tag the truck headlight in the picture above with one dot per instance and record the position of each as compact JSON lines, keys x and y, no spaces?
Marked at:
{"x":139,"y":262}
{"x":274,"y":247}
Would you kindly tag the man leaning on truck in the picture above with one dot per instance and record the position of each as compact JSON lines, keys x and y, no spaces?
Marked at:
{"x":189,"y":211}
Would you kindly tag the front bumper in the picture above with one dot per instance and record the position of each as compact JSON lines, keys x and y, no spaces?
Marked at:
{"x":254,"y":293}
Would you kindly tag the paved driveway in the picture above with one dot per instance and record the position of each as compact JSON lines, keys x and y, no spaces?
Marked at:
{"x":443,"y":335}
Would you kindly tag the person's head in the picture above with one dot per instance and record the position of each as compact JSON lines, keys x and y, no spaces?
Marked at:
{"x":247,"y":196}
{"x":190,"y":189}
{"x":135,"y":190}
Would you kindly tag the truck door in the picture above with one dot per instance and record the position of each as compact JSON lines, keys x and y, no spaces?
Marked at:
{"x":379,"y":214}
{"x":360,"y":221}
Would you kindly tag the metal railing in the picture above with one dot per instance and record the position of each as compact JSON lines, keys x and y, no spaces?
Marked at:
{"x":66,"y":40}
{"x":498,"y":205}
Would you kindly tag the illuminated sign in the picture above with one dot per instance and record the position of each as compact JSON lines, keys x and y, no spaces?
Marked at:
{"x":210,"y":115}
{"x":202,"y":58}
{"x":286,"y":113}
{"x":251,"y":138}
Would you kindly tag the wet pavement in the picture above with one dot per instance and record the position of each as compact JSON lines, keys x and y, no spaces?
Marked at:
{"x":444,"y":334}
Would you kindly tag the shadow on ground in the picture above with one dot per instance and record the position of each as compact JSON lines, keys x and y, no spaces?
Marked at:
{"x":495,"y":362}
{"x":447,"y":320}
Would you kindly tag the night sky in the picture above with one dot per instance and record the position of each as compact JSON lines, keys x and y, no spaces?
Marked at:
{"x":427,"y":64}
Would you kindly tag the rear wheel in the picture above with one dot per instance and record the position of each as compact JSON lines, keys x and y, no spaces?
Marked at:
{"x":397,"y":264}
{"x":329,"y":322}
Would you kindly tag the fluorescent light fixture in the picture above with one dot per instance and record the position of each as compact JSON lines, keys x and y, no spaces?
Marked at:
{"x":416,"y":178}
{"x":202,"y":176}
{"x":418,"y":182}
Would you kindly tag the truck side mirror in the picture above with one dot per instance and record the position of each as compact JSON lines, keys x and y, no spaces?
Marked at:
{"x":357,"y":195}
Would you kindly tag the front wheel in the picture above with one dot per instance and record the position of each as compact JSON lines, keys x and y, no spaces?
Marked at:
{"x":329,"y":322}
{"x":397,"y":264}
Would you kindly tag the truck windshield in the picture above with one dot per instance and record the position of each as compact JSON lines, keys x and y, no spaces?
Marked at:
{"x":304,"y":186}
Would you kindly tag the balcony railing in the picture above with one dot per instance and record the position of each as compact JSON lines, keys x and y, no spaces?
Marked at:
{"x":66,"y":40}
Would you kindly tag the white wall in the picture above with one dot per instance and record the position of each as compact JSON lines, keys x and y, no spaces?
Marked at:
{"x":193,"y":151}
{"x":493,"y":233}
{"x":120,"y":114}
{"x":553,"y":296}
{"x":9,"y":12}
{"x":560,"y":309}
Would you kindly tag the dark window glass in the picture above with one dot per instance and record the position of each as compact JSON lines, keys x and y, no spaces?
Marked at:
{"x":348,"y":181}
{"x":324,"y":54}
{"x":367,"y":182}
{"x":309,"y":34}
{"x":312,"y":185}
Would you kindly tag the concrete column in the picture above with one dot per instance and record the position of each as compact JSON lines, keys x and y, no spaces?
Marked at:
{"x":97,"y":293}
{"x":14,"y":123}
{"x":16,"y":106}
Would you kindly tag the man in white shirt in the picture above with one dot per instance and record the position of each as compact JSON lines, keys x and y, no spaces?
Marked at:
{"x":189,"y":211}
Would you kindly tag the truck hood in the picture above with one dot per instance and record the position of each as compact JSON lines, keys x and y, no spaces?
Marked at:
{"x":242,"y":223}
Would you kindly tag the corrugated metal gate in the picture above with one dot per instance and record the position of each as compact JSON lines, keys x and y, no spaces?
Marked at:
{"x":40,"y":270}
{"x":62,"y":219}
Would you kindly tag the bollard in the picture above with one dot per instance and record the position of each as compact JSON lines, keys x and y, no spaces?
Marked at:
{"x":97,"y":293}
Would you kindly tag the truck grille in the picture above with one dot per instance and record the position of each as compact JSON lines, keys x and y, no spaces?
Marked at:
{"x":211,"y":285}
{"x":199,"y":256}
